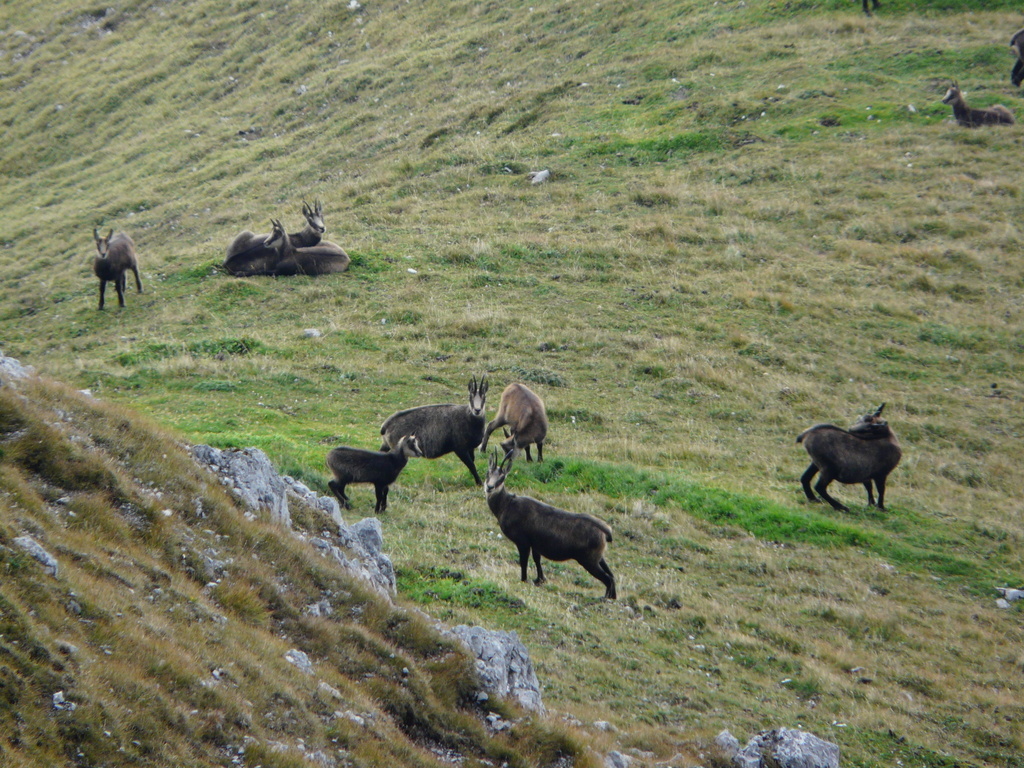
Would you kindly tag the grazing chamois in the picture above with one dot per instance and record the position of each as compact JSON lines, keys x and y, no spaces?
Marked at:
{"x":867,"y":452}
{"x":441,"y":429}
{"x":250,"y":254}
{"x":357,"y":465}
{"x":972,"y":118}
{"x":1017,"y":46}
{"x":523,"y":411}
{"x":116,"y":257}
{"x":547,"y":531}
{"x":314,"y":230}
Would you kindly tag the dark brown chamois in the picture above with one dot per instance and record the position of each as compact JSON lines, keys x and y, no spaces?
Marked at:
{"x":116,"y":257}
{"x":324,"y":258}
{"x":972,"y":118}
{"x":876,"y":6}
{"x":445,"y":428}
{"x":547,"y":531}
{"x":250,"y":254}
{"x":358,"y":465}
{"x":523,"y":411}
{"x":867,"y":452}
{"x":314,"y":230}
{"x":1017,"y":46}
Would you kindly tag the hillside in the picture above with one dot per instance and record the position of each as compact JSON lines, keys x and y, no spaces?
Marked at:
{"x":759,"y":217}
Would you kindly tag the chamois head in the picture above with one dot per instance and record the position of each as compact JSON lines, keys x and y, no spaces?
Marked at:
{"x":477,"y":395}
{"x":102,"y":243}
{"x":496,"y":473}
{"x":314,"y":216}
{"x":276,"y":235}
{"x":871,"y":424}
{"x":410,"y":446}
{"x":953,"y":94}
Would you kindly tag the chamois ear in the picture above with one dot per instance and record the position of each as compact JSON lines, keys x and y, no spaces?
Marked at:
{"x":95,"y":235}
{"x":317,"y":206}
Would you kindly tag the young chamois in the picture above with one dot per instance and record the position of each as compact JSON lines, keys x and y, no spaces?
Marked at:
{"x":547,"y":531}
{"x":441,"y":429}
{"x":523,"y":412}
{"x":1017,"y":46}
{"x":867,"y":452}
{"x":116,"y":257}
{"x":972,"y":118}
{"x":357,"y":465}
{"x":250,"y":254}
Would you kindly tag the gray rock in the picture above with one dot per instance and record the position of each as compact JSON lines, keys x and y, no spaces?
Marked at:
{"x":786,"y":748}
{"x":503,"y":664}
{"x":31,"y":546}
{"x":369,"y":533}
{"x":1010,"y":594}
{"x":11,"y":370}
{"x":255,"y":480}
{"x":727,"y":743}
{"x":617,"y":760}
{"x":300,"y":660}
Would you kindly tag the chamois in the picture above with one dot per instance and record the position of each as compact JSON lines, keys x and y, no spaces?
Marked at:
{"x":357,"y":465}
{"x":867,"y":451}
{"x":324,"y":258}
{"x":441,"y":429}
{"x":523,"y":411}
{"x":314,"y":229}
{"x":547,"y":531}
{"x":972,"y":118}
{"x":116,"y":257}
{"x":867,"y":10}
{"x":251,"y":254}
{"x":1017,"y":46}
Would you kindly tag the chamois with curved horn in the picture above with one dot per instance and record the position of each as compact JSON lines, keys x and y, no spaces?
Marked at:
{"x":867,"y":452}
{"x":972,"y":118}
{"x":251,"y":254}
{"x":116,"y":256}
{"x":314,"y":230}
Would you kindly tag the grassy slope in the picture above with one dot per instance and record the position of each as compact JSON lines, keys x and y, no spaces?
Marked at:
{"x":712,"y":269}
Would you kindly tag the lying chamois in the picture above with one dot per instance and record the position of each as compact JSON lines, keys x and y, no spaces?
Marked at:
{"x":867,"y":451}
{"x":313,"y":255}
{"x":1017,"y":46}
{"x":547,"y":531}
{"x":356,"y":465}
{"x":116,"y":257}
{"x":442,"y":429}
{"x":972,"y":118}
{"x":314,"y":229}
{"x":523,"y":411}
{"x":250,"y":254}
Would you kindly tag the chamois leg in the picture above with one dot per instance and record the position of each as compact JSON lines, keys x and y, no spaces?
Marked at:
{"x":805,"y":481}
{"x":822,"y":488}
{"x":382,"y":497}
{"x":528,"y":456}
{"x":119,"y":283}
{"x":103,"y":290}
{"x":880,"y":485}
{"x":338,"y":489}
{"x":138,"y":280}
{"x":540,"y":571}
{"x":487,"y":433}
{"x":466,"y":455}
{"x":1017,"y":76}
{"x":871,"y":496}
{"x":540,"y":451}
{"x":602,"y":573}
{"x":524,"y":559}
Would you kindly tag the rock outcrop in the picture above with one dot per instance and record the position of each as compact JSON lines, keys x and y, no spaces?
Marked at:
{"x":503,"y":664}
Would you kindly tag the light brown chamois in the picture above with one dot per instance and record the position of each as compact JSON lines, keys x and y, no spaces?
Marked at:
{"x":250,"y":254}
{"x":116,"y":257}
{"x":972,"y":118}
{"x":358,"y":465}
{"x":523,"y":411}
{"x":1017,"y":46}
{"x":547,"y":531}
{"x":867,"y":452}
{"x":445,"y":428}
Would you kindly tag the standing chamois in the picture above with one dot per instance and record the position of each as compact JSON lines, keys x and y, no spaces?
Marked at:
{"x":547,"y":531}
{"x":1017,"y":46}
{"x":867,"y":452}
{"x":250,"y":254}
{"x":441,"y":429}
{"x":357,"y":465}
{"x":116,"y":257}
{"x":972,"y":118}
{"x":523,"y":411}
